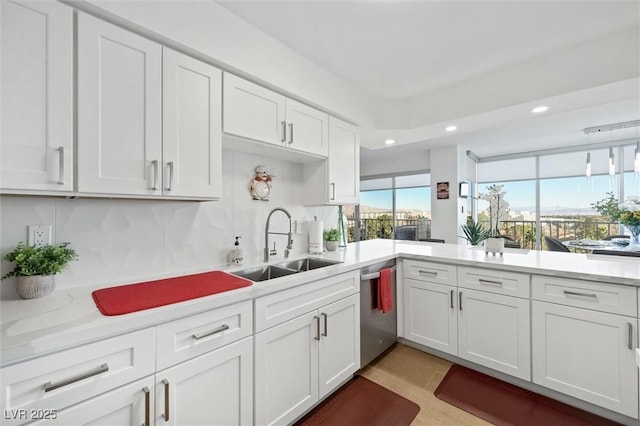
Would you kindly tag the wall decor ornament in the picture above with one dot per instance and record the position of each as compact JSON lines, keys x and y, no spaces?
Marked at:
{"x":260,"y":185}
{"x":443,"y":191}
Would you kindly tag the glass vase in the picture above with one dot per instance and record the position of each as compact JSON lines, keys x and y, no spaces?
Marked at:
{"x":635,"y":234}
{"x":342,"y":228}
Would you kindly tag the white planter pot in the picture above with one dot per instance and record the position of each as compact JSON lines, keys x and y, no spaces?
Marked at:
{"x":36,"y":286}
{"x":494,"y":245}
{"x":331,"y":245}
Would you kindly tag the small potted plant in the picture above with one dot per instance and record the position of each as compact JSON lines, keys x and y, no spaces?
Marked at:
{"x":475,"y":232}
{"x":36,"y":267}
{"x":331,"y":238}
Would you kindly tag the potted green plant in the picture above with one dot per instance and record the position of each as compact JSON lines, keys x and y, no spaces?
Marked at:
{"x":475,"y":232}
{"x":331,"y":237}
{"x":36,"y":267}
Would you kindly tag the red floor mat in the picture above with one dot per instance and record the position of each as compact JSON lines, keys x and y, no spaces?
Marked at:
{"x":362,"y":402}
{"x":502,"y":403}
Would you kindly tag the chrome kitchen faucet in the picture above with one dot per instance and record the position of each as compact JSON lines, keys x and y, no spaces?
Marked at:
{"x":267,"y":252}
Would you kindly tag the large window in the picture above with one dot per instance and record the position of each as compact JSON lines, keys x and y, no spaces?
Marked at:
{"x":393,"y":207}
{"x":549,"y":194}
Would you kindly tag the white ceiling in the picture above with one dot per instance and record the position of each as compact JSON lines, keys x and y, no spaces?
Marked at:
{"x":401,"y":52}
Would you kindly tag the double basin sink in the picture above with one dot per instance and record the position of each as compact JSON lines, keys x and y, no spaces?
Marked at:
{"x":270,"y":272}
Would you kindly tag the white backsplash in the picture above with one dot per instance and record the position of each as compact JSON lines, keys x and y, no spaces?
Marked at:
{"x":122,"y":241}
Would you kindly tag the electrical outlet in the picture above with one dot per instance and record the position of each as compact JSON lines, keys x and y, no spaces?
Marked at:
{"x":39,"y":235}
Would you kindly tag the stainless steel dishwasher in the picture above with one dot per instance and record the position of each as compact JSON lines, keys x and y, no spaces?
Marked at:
{"x":378,"y":331}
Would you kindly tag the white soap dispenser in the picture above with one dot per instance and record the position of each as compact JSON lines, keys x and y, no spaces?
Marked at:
{"x":236,"y":253}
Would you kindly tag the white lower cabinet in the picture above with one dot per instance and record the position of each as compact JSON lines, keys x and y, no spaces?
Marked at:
{"x":303,"y":359}
{"x":431,"y":316}
{"x":477,"y":319}
{"x":586,"y":354}
{"x":493,"y":330}
{"x":212,"y":389}
{"x":129,"y":405}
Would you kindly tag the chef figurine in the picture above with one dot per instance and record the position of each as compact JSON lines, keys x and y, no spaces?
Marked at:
{"x":261,"y":184}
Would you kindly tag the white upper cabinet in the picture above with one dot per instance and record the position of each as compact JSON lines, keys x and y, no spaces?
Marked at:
{"x":36,"y":139}
{"x":149,"y":119}
{"x":119,"y":110}
{"x":307,"y":128}
{"x":344,"y":162}
{"x":254,"y":112}
{"x":192,"y":127}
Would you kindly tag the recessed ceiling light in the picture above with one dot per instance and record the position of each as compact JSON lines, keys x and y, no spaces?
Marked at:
{"x":390,"y":141}
{"x":539,"y":109}
{"x":450,"y":128}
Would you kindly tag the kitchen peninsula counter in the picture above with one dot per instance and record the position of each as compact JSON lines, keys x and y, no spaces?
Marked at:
{"x":69,"y":317}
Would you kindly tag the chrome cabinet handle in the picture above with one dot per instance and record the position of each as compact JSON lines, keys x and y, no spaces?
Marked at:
{"x":491,"y":282}
{"x":147,"y":406}
{"x":451,"y":299}
{"x":630,"y":337}
{"x":577,"y":293}
{"x":155,"y":174}
{"x":333,"y":191}
{"x":61,"y":165}
{"x":290,"y":133}
{"x":460,"y":300}
{"x":49,"y":386}
{"x":220,"y":329}
{"x":325,"y":324}
{"x":170,"y":186}
{"x":317,"y":320}
{"x":284,"y":131}
{"x":423,"y":272}
{"x":165,"y":382}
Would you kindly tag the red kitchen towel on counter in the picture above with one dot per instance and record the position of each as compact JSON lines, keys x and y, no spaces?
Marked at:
{"x":385,"y":296}
{"x":129,"y":298}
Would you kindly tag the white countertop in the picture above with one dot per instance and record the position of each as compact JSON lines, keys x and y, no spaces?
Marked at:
{"x":69,"y":317}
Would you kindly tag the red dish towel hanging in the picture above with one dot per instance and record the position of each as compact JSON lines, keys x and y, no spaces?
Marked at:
{"x":129,"y":298}
{"x":385,"y":292}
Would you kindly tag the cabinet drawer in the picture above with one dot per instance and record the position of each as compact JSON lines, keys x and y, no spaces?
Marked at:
{"x":279,"y":307}
{"x":500,"y":282}
{"x":192,"y":336}
{"x":605,"y":297}
{"x":428,"y":271}
{"x":56,"y":381}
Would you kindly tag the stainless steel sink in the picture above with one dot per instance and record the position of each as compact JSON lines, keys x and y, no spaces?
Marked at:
{"x":270,"y":272}
{"x":264,"y":273}
{"x":307,"y":264}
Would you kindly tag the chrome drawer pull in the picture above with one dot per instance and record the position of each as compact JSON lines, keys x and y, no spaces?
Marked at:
{"x":451,"y":299}
{"x":284,"y":131}
{"x":165,"y":382}
{"x":333,"y":191}
{"x":460,"y":300}
{"x":483,"y":281}
{"x":432,"y":273}
{"x":147,"y":406}
{"x":61,"y":166}
{"x":220,"y":329}
{"x":155,"y":174}
{"x":170,"y":186}
{"x":317,"y":319}
{"x":290,"y":133}
{"x":577,"y":293}
{"x":630,"y":340}
{"x":49,"y":386}
{"x":325,"y":324}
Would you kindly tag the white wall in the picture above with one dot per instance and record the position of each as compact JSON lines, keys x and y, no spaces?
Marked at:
{"x":124,"y":241}
{"x":448,"y":164}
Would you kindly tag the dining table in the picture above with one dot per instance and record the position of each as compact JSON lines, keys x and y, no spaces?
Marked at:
{"x":617,"y":244}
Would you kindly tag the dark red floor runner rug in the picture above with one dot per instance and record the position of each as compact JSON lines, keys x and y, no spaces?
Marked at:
{"x":362,"y":402}
{"x":502,"y":403}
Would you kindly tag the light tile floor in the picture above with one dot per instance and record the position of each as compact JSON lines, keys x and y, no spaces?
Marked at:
{"x":415,"y":375}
